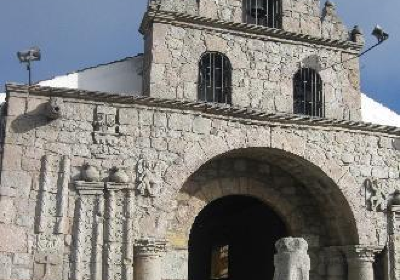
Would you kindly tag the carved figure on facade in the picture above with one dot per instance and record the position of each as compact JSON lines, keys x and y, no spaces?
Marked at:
{"x":48,"y":266}
{"x":149,"y":178}
{"x":106,"y":126}
{"x":54,"y":108}
{"x":375,"y":198}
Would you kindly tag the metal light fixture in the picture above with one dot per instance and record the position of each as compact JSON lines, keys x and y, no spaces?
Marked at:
{"x":28,"y":56}
{"x":380,"y":34}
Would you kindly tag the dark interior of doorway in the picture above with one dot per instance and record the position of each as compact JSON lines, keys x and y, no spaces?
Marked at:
{"x":247,"y":226}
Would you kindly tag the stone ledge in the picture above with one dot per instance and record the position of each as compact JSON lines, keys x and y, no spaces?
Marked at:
{"x":156,"y":15}
{"x":248,"y":114}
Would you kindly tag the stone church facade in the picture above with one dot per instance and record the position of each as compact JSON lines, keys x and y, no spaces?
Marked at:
{"x":214,"y":171}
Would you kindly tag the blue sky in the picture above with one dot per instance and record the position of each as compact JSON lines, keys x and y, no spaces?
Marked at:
{"x":74,"y":34}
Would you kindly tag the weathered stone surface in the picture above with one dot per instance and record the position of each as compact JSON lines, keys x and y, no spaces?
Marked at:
{"x":292,"y":261}
{"x":14,"y":239}
{"x":180,"y":155}
{"x":5,"y":266}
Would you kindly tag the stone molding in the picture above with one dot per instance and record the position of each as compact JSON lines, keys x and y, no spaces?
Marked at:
{"x":150,"y":247}
{"x":249,"y":114}
{"x":244,"y":29}
{"x":89,"y":188}
{"x":360,"y":253}
{"x":291,"y":245}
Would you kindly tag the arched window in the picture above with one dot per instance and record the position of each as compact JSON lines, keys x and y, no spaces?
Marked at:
{"x":215,"y":78}
{"x":308,"y":95}
{"x":263,"y":12}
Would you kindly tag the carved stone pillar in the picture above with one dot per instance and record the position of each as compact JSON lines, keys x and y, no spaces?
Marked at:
{"x":90,"y":199}
{"x":292,"y":261}
{"x":148,"y":259}
{"x":394,"y":242}
{"x":360,"y":261}
{"x":335,"y":264}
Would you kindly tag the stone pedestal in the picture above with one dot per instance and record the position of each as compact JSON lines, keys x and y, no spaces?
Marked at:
{"x":148,"y":259}
{"x":360,"y":261}
{"x":292,"y":261}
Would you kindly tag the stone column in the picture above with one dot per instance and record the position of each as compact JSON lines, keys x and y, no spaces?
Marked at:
{"x":90,"y":199}
{"x":292,"y":261}
{"x":335,"y":264}
{"x":148,"y":259}
{"x":360,"y":261}
{"x":394,"y":241}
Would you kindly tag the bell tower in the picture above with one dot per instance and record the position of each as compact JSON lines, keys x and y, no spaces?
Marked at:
{"x":278,"y":56}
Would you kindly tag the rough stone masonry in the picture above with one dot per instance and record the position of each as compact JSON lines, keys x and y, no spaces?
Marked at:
{"x":100,"y":186}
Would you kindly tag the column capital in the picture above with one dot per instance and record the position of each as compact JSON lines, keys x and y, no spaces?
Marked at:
{"x":89,"y":188}
{"x":149,"y":246}
{"x":361,"y":253}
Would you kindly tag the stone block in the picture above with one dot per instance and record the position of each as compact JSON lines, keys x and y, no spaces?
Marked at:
{"x":13,"y":239}
{"x":23,"y":259}
{"x":5,"y":266}
{"x":128,"y":116}
{"x":7,"y":210}
{"x":16,"y":106}
{"x":16,"y":180}
{"x":21,"y":273}
{"x":201,"y":125}
{"x":12,"y":157}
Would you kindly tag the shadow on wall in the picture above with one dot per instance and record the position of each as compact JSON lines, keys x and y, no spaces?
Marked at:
{"x":396,"y":144}
{"x":30,"y":120}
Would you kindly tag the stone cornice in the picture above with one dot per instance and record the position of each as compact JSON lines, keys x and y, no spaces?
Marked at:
{"x":248,"y":114}
{"x":244,"y":29}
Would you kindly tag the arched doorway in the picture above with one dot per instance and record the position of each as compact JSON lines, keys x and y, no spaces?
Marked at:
{"x":233,"y":238}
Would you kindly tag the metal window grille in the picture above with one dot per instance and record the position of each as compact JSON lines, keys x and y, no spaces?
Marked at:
{"x":308,"y":93}
{"x":263,"y":12}
{"x":215,"y":78}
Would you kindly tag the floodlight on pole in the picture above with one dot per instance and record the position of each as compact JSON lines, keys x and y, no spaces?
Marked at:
{"x":28,"y":56}
{"x":380,"y":35}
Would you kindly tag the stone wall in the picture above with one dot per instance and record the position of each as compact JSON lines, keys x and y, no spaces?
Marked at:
{"x":297,"y":16}
{"x":263,"y":69}
{"x":52,"y":220}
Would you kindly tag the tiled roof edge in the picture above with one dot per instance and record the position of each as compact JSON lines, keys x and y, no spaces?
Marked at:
{"x":209,"y":108}
{"x":153,"y":14}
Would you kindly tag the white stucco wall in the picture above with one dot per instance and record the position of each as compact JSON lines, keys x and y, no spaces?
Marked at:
{"x":125,"y":77}
{"x":374,"y":112}
{"x":122,"y":77}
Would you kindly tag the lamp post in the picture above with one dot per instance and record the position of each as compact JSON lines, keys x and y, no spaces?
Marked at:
{"x":28,"y":56}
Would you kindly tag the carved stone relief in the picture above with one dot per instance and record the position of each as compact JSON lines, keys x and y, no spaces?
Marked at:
{"x":46,"y":182}
{"x":62,"y":196}
{"x":106,"y":126}
{"x":149,"y":178}
{"x":54,"y":108}
{"x":103,"y":243}
{"x":375,"y":197}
